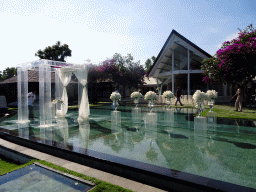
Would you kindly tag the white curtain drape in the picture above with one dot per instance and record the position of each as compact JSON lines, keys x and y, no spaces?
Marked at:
{"x":81,"y":74}
{"x":65,"y":77}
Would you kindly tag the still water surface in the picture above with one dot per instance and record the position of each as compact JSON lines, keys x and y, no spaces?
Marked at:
{"x":224,"y":151}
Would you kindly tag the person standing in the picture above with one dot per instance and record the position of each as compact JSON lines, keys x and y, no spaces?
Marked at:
{"x":31,"y":99}
{"x":178,"y":95}
{"x":239,"y":99}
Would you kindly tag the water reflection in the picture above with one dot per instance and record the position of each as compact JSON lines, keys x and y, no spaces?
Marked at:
{"x":171,"y":139}
{"x":84,"y":134}
{"x":151,"y":154}
{"x":62,"y":129}
{"x":117,"y":138}
{"x":46,"y":135}
{"x":151,"y":126}
{"x":24,"y":130}
{"x":168,"y":122}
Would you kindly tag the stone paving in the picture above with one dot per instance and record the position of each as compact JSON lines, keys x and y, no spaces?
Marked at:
{"x":104,"y":176}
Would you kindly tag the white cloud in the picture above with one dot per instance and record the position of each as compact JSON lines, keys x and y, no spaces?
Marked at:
{"x":228,"y":38}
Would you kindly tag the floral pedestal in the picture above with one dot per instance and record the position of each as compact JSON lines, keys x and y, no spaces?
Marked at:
{"x":116,"y":121}
{"x":211,"y":121}
{"x":168,"y":102}
{"x":200,"y":125}
{"x":136,"y":101}
{"x":211,"y":103}
{"x":151,"y":106}
{"x":200,"y":107}
{"x":136,"y":115}
{"x":115,"y":104}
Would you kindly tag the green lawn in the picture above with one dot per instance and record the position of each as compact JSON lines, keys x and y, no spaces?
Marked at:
{"x":227,"y":111}
{"x":7,"y":166}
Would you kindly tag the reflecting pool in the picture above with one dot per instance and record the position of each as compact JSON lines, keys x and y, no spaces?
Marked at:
{"x":165,"y":138}
{"x":37,"y":178}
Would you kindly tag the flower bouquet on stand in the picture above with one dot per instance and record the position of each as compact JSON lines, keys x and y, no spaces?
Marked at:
{"x":136,"y":95}
{"x":212,"y":95}
{"x":150,"y":97}
{"x":115,"y":97}
{"x":168,"y":95}
{"x":199,"y":97}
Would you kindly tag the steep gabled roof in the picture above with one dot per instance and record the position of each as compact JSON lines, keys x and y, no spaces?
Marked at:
{"x":184,"y":39}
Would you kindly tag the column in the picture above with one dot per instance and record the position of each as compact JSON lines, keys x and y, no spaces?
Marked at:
{"x":172,"y":71}
{"x":188,"y":72}
{"x":22,"y":81}
{"x":45,"y":94}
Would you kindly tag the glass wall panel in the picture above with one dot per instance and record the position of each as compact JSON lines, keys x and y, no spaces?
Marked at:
{"x":195,"y":61}
{"x":181,"y":81}
{"x":180,"y":58}
{"x":196,"y":83}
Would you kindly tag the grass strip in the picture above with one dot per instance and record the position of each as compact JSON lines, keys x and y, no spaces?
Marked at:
{"x":7,"y":166}
{"x":226,"y":111}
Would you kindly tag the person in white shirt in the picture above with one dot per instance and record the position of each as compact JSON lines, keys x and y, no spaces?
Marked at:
{"x":31,"y":99}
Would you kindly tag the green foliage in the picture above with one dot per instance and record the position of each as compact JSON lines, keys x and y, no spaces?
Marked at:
{"x":234,"y":61}
{"x":94,"y":73}
{"x":149,"y":62}
{"x":8,"y":73}
{"x":123,"y":71}
{"x":56,"y":52}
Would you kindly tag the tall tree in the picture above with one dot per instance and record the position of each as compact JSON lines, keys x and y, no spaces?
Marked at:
{"x":149,"y":62}
{"x":56,"y":52}
{"x":8,"y":73}
{"x":123,"y":71}
{"x":234,"y":61}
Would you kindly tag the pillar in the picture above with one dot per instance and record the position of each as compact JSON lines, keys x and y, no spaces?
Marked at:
{"x":45,"y":94}
{"x":22,"y":81}
{"x":172,"y":71}
{"x":188,"y":73}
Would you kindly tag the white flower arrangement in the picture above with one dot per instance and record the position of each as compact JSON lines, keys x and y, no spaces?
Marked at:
{"x":136,"y":95}
{"x":115,"y":96}
{"x":168,"y":94}
{"x":200,"y":96}
{"x":212,"y":94}
{"x":150,"y":95}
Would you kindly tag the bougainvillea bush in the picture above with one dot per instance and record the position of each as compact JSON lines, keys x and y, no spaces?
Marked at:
{"x":234,"y":62}
{"x":123,"y":71}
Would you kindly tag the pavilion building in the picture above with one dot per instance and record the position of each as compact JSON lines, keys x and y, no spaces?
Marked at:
{"x":178,"y":65}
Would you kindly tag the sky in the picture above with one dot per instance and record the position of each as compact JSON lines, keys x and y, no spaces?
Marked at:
{"x":97,"y":29}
